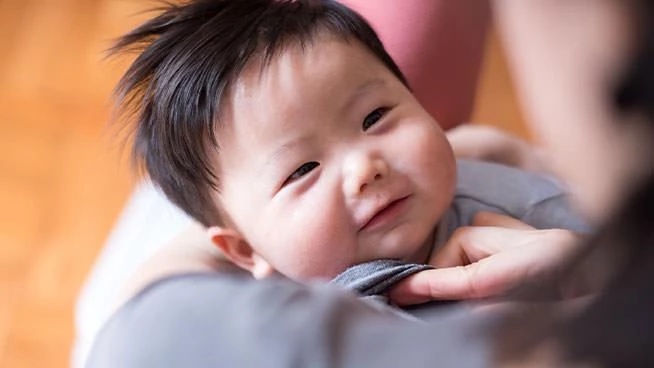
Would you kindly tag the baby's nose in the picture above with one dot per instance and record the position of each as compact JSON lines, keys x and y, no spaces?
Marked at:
{"x":361,"y":171}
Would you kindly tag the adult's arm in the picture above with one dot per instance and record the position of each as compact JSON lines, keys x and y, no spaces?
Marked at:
{"x":438,"y":45}
{"x":217,"y":320}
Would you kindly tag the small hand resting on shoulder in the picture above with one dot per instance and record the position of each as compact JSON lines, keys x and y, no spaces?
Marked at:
{"x":489,"y":258}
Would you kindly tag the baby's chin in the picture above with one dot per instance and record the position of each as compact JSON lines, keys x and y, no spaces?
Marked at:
{"x":407,"y":246}
{"x":410,"y":246}
{"x":317,"y":273}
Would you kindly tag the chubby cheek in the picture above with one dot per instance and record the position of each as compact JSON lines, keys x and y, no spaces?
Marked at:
{"x":309,"y":238}
{"x":428,"y":159}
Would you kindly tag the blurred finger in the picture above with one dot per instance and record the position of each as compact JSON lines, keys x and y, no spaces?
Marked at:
{"x":485,"y":218}
{"x":473,"y":243}
{"x":474,"y":281}
{"x":445,"y":284}
{"x":488,"y":277}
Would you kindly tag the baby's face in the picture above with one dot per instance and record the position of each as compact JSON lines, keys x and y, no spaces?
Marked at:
{"x":327,"y":160}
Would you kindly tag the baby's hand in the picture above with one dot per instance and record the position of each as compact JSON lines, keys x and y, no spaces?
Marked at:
{"x":487,"y":259}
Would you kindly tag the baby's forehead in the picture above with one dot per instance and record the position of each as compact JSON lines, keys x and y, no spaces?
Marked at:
{"x":303,"y":82}
{"x":265,"y":63}
{"x":326,"y":59}
{"x":298,"y":80}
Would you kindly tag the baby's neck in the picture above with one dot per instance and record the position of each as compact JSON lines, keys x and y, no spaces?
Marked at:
{"x":424,"y":252}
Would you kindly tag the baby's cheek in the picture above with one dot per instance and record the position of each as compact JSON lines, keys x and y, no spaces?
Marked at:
{"x":425,"y":148}
{"x":432,"y":165}
{"x":317,"y":239}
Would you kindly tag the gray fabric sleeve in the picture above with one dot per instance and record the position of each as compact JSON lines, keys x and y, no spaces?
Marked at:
{"x":214,"y":320}
{"x":376,"y":277}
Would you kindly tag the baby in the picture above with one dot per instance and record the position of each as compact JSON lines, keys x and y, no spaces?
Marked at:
{"x":286,"y":129}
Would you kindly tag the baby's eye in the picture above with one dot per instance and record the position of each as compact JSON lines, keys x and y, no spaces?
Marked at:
{"x":301,"y":171}
{"x":373,"y":117}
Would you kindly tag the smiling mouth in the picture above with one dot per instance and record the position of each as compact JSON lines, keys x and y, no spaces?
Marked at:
{"x":386,"y":215}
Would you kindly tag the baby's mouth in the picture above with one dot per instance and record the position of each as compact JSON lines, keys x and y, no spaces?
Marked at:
{"x":386,"y":214}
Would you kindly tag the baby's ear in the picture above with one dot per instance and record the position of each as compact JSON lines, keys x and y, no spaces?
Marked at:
{"x":239,"y":252}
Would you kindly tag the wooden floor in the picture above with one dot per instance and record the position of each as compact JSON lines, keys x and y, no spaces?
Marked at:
{"x":63,"y":178}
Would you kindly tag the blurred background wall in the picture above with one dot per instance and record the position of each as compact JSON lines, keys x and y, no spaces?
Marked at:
{"x":63,"y":176}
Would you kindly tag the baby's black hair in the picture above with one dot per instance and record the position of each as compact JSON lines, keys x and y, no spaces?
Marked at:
{"x":188,"y":57}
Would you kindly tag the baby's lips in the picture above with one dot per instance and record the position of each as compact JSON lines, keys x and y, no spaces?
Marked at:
{"x":375,"y":210}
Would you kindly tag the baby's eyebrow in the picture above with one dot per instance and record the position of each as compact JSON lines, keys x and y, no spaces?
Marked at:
{"x":361,"y":90}
{"x":281,"y":150}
